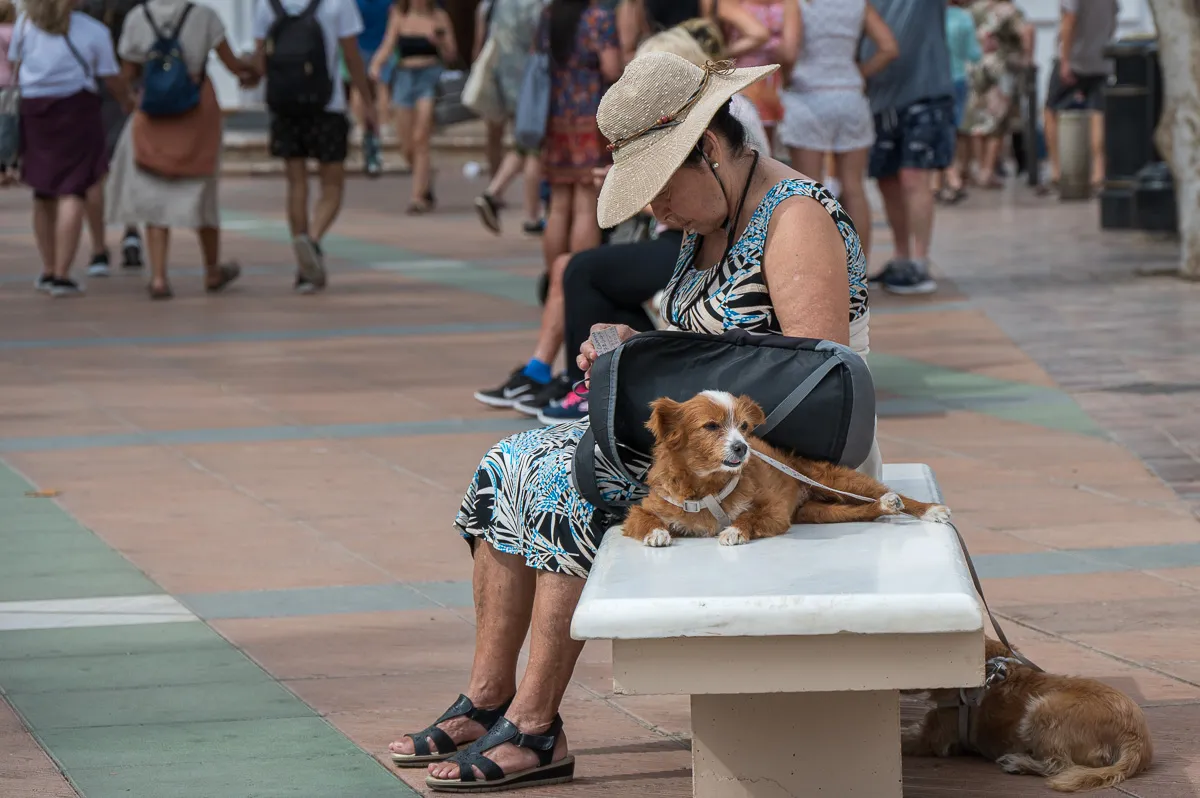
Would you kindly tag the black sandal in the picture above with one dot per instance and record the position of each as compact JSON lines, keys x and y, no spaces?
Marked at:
{"x":446,"y":747}
{"x":226,"y":274}
{"x":495,"y":779}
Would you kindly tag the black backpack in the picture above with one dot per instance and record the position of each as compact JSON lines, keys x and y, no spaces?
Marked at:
{"x":818,"y":396}
{"x":298,"y":79}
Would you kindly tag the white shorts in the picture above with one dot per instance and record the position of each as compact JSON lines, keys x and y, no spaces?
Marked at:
{"x":831,"y":120}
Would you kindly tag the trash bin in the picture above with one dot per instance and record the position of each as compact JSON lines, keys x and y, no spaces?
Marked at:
{"x":1133,"y":105}
{"x":1074,"y":155}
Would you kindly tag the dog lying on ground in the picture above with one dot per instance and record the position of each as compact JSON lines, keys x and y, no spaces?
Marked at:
{"x":1079,"y":733}
{"x":703,"y":448}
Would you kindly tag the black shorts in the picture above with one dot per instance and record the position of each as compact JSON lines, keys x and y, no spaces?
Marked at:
{"x":1085,"y":94}
{"x":323,"y":137}
{"x":919,"y":136}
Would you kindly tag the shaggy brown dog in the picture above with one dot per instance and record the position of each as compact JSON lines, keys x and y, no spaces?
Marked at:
{"x":1078,"y":733}
{"x":703,"y":445}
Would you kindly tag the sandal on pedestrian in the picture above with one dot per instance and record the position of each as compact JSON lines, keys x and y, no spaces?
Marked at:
{"x":226,"y":274}
{"x":418,"y":207}
{"x":446,"y":747}
{"x":159,"y":291}
{"x":494,"y":778}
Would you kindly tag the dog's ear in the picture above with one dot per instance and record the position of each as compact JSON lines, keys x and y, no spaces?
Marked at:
{"x":665,"y":422}
{"x":749,"y":411}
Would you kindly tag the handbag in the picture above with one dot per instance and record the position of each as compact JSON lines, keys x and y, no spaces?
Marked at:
{"x":184,"y":146}
{"x":533,"y":102}
{"x":448,"y":107}
{"x":818,"y":396}
{"x":480,"y":93}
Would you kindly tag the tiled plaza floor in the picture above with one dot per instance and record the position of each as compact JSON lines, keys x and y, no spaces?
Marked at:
{"x":249,"y":585}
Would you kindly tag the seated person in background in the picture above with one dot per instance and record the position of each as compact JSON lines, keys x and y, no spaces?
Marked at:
{"x":611,"y":285}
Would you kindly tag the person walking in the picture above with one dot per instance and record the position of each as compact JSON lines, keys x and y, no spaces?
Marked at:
{"x":913,"y":103}
{"x":1007,"y":41}
{"x":375,"y":15}
{"x":824,"y":107}
{"x":1079,"y":74}
{"x":166,"y":169}
{"x":59,"y":55}
{"x":422,"y":36}
{"x":308,"y":112}
{"x":965,"y":52}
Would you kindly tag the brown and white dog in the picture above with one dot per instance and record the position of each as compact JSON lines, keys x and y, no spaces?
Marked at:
{"x":1079,"y":733}
{"x":704,"y":444}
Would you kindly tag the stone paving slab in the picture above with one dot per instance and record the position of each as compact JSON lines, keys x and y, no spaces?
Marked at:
{"x":267,"y":458}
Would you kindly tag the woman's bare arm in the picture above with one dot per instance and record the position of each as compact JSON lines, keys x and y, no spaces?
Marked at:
{"x":754,"y":34}
{"x":886,"y":48}
{"x":631,"y":27}
{"x":444,"y":38}
{"x":804,"y":265}
{"x":793,"y":33}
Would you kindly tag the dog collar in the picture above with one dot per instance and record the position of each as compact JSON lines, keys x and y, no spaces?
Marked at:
{"x":994,"y":670}
{"x":711,"y":502}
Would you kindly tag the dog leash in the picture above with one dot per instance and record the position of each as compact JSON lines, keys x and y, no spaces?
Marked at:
{"x":712,"y":503}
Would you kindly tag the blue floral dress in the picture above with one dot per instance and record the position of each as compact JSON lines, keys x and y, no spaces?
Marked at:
{"x":521,"y":500}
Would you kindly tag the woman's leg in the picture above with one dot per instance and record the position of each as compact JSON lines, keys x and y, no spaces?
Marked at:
{"x":808,"y":162}
{"x":422,"y":131}
{"x":495,"y":145}
{"x":157,"y":242}
{"x":509,"y":168}
{"x":210,"y":248}
{"x":45,"y":220}
{"x":67,"y":229}
{"x":987,"y":164}
{"x":851,"y":170}
{"x":404,"y":131}
{"x":550,"y":337}
{"x":585,"y":230}
{"x":503,"y":586}
{"x":95,"y":219}
{"x":552,"y":656}
{"x":557,"y":238}
{"x":609,"y":284}
{"x":533,"y":188}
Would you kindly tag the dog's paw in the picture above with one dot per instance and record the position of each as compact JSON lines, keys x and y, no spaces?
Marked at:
{"x":732,"y":536}
{"x":1017,"y":764}
{"x":891,"y":503}
{"x":658,"y":538}
{"x":938,"y":514}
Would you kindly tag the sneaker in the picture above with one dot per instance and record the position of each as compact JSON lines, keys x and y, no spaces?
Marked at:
{"x":911,"y":277}
{"x":889,"y":272}
{"x":553,"y":391}
{"x":99,"y":265}
{"x":534,"y":228}
{"x":489,"y":212}
{"x":44,"y":283}
{"x":518,"y":388}
{"x":311,"y":263}
{"x":372,"y":162}
{"x":64,"y":287}
{"x":131,"y":251}
{"x":573,"y":407}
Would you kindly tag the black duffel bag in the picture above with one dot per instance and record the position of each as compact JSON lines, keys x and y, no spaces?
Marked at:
{"x":818,"y":396}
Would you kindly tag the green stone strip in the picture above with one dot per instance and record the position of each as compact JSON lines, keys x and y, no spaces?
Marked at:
{"x":164,"y":710}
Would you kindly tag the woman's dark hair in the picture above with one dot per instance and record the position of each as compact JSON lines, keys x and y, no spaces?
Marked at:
{"x":728,"y":127}
{"x":564,"y":24}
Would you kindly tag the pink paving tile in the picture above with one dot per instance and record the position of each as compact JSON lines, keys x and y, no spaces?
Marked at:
{"x":1082,"y":588}
{"x":25,"y":769}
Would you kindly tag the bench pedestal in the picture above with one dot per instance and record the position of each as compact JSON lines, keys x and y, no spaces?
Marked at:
{"x":766,"y":745}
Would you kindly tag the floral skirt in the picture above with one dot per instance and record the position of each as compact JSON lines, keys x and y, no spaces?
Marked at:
{"x":523,"y":501}
{"x":573,"y":147}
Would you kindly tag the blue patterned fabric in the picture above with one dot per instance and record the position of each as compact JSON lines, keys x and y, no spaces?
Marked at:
{"x":522,"y":500}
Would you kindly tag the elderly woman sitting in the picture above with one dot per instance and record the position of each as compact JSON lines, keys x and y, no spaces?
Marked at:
{"x":766,"y":250}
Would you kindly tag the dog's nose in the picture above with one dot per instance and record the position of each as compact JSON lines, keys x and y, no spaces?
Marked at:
{"x":739,"y":449}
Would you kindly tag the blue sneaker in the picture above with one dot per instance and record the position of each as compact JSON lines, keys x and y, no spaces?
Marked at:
{"x":372,"y":155}
{"x":908,"y":277}
{"x":574,"y":407}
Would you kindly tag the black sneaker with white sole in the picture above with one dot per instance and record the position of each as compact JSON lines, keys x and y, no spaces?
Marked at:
{"x":131,"y":251}
{"x":552,"y":391}
{"x":489,"y":212}
{"x":908,"y":278}
{"x":65,"y":287}
{"x":889,"y":271}
{"x":99,"y":266}
{"x":515,"y":390}
{"x":44,"y":283}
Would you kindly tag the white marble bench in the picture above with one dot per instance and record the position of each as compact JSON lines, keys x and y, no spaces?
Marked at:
{"x":793,"y":649}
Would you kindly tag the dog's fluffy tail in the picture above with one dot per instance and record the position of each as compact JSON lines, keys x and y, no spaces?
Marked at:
{"x":1135,"y":757}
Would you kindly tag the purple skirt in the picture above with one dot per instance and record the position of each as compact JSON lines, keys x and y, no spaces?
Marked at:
{"x":62,"y":144}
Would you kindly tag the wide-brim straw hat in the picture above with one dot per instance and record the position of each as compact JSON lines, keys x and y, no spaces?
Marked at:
{"x":653,"y":116}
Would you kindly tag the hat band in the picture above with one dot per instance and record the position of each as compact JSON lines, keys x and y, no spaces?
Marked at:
{"x":671,"y":120}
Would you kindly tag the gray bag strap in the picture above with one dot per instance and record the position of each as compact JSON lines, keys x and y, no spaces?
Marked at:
{"x":793,"y":399}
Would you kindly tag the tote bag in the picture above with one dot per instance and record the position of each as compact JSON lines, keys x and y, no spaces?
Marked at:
{"x":480,"y":93}
{"x":533,"y":103}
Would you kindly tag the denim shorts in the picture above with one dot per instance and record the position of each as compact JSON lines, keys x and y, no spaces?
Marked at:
{"x":413,"y":85}
{"x":918,"y":136}
{"x":962,"y":93}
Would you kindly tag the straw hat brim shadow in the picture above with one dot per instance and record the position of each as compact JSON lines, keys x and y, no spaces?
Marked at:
{"x":643,"y":166}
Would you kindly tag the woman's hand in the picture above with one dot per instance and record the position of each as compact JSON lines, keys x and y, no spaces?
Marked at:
{"x":587,"y":352}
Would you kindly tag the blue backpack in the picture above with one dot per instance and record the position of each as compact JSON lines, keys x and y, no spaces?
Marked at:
{"x":167,"y":88}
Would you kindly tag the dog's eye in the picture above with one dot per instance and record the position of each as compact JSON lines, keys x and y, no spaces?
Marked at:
{"x":712,"y":426}
{"x":745,"y":426}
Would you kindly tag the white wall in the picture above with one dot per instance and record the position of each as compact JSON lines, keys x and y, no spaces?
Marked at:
{"x":1135,"y":17}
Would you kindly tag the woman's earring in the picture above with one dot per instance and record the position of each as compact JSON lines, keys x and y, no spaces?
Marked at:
{"x":716,"y":166}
